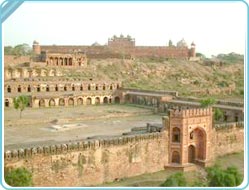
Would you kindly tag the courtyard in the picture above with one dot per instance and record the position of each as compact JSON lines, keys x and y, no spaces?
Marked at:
{"x":47,"y":126}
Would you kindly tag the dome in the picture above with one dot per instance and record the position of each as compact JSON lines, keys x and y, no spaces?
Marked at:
{"x":35,"y":42}
{"x":95,"y":44}
{"x":182,"y":43}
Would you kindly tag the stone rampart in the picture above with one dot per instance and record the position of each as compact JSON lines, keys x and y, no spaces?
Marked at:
{"x":94,"y":161}
{"x":219,"y":102}
{"x":229,"y":138}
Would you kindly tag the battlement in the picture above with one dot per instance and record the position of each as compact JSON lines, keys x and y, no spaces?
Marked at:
{"x":229,"y":125}
{"x":191,"y":112}
{"x":79,"y":146}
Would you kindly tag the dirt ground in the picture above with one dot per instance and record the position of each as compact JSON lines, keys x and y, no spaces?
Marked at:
{"x":36,"y":125}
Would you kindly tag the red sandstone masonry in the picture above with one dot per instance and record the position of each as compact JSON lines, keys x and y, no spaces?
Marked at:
{"x":96,"y":161}
{"x":92,"y":162}
{"x":229,"y":138}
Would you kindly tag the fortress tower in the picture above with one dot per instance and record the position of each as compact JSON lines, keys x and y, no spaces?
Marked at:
{"x":36,"y":48}
{"x":190,"y":137}
{"x":192,"y":50}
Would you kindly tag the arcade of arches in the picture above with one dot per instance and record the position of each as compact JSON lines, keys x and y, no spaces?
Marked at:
{"x":62,"y":60}
{"x":68,"y":101}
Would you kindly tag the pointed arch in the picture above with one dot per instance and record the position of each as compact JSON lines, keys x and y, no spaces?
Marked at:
{"x":88,"y":101}
{"x":61,"y":102}
{"x":117,"y":100}
{"x":80,"y":101}
{"x":70,"y":101}
{"x":105,"y":100}
{"x":41,"y":103}
{"x":97,"y":100}
{"x":51,"y":102}
{"x":176,"y":135}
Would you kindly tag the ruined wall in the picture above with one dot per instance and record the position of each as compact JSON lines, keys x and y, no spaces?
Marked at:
{"x":92,"y":162}
{"x":27,"y":72}
{"x":229,"y":138}
{"x":14,"y":60}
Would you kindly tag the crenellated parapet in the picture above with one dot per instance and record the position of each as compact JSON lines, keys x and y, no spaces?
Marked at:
{"x":79,"y":146}
{"x":191,"y":112}
{"x":230,"y":125}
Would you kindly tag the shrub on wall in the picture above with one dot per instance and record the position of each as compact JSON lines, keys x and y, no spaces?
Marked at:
{"x":218,"y":114}
{"x":207,"y":102}
{"x":19,"y":177}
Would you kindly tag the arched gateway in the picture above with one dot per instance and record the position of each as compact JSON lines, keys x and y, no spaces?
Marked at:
{"x":190,"y":134}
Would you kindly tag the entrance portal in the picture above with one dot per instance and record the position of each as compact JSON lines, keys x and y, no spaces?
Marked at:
{"x":191,"y":154}
{"x":175,"y":157}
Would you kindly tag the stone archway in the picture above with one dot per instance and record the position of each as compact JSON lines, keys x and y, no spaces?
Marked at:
{"x":61,"y":102}
{"x":70,"y":101}
{"x":117,"y":100}
{"x":105,"y":100}
{"x":175,"y":157}
{"x":97,"y":100}
{"x":80,"y":101}
{"x":51,"y":103}
{"x":199,"y":138}
{"x":176,"y":135}
{"x":88,"y":101}
{"x":42,"y":103}
{"x":191,"y":154}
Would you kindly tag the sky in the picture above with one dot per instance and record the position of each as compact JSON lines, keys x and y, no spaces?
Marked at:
{"x":214,"y":27}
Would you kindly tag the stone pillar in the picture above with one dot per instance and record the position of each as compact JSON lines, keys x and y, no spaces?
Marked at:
{"x":66,"y":102}
{"x":56,"y":102}
{"x":75,"y":101}
{"x":101,"y":99}
{"x":46,"y":102}
{"x":93,"y":100}
{"x":35,"y":103}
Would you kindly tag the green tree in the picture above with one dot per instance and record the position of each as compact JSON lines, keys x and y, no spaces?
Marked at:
{"x":218,"y":177}
{"x":207,"y":102}
{"x":21,"y":102}
{"x":19,"y":177}
{"x":198,"y":54}
{"x":175,"y":180}
{"x":8,"y":50}
{"x":218,"y":114}
{"x":18,"y":50}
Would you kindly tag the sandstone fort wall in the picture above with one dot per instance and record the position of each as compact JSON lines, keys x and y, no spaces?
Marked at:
{"x":93,"y":162}
{"x":97,"y":161}
{"x":229,"y":138}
